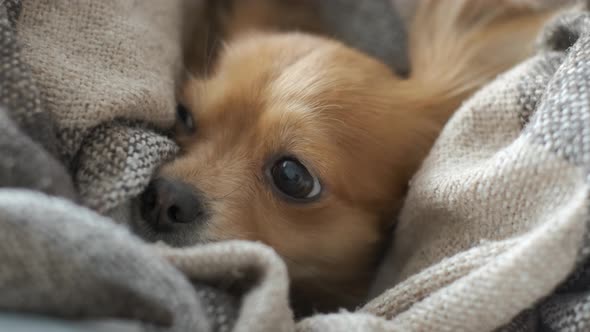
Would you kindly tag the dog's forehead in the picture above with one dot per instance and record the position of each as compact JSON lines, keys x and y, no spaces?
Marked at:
{"x":305,"y":79}
{"x":267,"y":85}
{"x":328,"y":78}
{"x":296,"y":66}
{"x":253,"y":81}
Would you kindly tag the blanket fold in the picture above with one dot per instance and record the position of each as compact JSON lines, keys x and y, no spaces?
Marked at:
{"x":27,"y":137}
{"x":497,"y":217}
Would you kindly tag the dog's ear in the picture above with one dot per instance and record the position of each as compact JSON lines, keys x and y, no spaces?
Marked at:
{"x":202,"y":33}
{"x":225,"y":5}
{"x":220,"y":12}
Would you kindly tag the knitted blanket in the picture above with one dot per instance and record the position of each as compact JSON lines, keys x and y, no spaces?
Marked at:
{"x":493,"y":234}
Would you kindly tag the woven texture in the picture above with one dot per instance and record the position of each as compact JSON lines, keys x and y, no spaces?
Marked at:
{"x":496,"y":219}
{"x":26,"y":132}
{"x":96,"y":62}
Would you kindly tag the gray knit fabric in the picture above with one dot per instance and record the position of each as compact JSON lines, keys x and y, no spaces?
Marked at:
{"x":26,"y":132}
{"x":371,"y":26}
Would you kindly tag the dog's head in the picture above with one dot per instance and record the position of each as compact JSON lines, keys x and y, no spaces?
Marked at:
{"x":295,"y":141}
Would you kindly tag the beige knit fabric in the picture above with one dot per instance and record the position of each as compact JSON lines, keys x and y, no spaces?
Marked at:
{"x":496,"y":218}
{"x":265,"y":305}
{"x":97,"y":64}
{"x":103,"y":54}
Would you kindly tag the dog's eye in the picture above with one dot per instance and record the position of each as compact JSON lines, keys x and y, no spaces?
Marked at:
{"x":294,"y":180}
{"x":184,"y":118}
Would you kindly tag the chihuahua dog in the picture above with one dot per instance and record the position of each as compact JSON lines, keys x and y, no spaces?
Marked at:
{"x":307,"y":145}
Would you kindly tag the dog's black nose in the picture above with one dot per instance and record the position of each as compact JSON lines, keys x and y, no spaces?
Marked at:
{"x":167,"y":202}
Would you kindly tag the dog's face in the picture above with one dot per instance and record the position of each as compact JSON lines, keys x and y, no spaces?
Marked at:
{"x":297,"y":142}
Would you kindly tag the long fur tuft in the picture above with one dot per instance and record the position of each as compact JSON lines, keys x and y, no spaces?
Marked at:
{"x":456,"y":46}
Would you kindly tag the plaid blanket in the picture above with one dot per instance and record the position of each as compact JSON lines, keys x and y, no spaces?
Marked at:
{"x":493,"y":234}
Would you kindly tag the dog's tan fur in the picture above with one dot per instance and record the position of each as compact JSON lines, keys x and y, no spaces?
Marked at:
{"x":357,"y":126}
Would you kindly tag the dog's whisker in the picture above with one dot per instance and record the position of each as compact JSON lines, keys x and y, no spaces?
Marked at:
{"x":220,"y":198}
